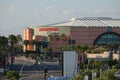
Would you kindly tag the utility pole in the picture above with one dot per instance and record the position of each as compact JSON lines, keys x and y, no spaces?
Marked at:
{"x":119,"y":57}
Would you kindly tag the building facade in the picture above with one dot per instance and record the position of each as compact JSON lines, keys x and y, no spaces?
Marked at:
{"x":87,"y":31}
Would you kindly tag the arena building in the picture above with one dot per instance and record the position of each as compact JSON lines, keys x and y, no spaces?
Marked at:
{"x":88,"y":31}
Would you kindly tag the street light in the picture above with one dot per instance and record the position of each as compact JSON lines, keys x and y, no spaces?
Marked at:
{"x":23,"y":67}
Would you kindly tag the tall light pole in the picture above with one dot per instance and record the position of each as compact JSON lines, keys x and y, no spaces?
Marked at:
{"x":119,"y":57}
{"x":25,"y":62}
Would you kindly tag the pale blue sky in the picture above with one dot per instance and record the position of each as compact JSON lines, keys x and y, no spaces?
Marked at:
{"x":16,"y":15}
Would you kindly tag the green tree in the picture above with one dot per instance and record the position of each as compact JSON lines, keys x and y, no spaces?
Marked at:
{"x":50,"y":37}
{"x":19,"y":43}
{"x":56,"y":36}
{"x":19,"y":38}
{"x":82,"y":74}
{"x":112,"y":46}
{"x":95,"y":65}
{"x":64,"y":38}
{"x":108,"y":75}
{"x":80,"y":49}
{"x":32,"y":43}
{"x":112,"y":62}
{"x":12,"y":40}
{"x":38,"y":45}
{"x":3,"y":49}
{"x":26,"y":42}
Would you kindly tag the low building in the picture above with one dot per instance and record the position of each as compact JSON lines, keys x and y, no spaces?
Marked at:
{"x":101,"y":56}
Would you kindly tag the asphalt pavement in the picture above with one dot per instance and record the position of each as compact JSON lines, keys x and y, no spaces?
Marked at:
{"x":29,"y":70}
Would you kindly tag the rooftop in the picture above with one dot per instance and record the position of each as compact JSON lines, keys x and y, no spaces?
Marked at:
{"x":90,"y":22}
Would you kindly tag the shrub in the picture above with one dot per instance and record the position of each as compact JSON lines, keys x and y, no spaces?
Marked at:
{"x":13,"y":75}
{"x":108,"y":75}
{"x":78,"y":77}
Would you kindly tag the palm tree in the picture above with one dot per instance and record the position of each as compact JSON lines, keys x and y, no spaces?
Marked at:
{"x":38,"y":45}
{"x":56,"y":36}
{"x":19,"y":41}
{"x":83,"y":49}
{"x":64,"y":38}
{"x":50,"y":37}
{"x":19,"y":37}
{"x":3,"y":49}
{"x":26,"y":42}
{"x":80,"y":49}
{"x":32,"y":43}
{"x":12,"y":40}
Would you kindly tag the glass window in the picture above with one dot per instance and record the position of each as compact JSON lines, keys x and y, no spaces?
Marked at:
{"x":109,"y":29}
{"x":108,"y":38}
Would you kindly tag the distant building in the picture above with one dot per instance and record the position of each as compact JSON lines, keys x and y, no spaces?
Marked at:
{"x":87,"y":30}
{"x":101,"y":57}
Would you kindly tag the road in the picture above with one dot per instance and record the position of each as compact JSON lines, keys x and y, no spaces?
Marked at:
{"x":32,"y":71}
{"x":31,"y":75}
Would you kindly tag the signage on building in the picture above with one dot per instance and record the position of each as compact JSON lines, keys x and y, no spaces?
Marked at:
{"x":49,"y":29}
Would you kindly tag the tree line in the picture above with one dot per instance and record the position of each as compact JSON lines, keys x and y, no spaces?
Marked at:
{"x":8,"y":46}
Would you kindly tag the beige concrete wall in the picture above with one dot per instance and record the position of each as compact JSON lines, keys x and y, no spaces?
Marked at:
{"x":103,"y":55}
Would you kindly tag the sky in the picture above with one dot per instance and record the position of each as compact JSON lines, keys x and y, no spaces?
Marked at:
{"x":16,"y":15}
